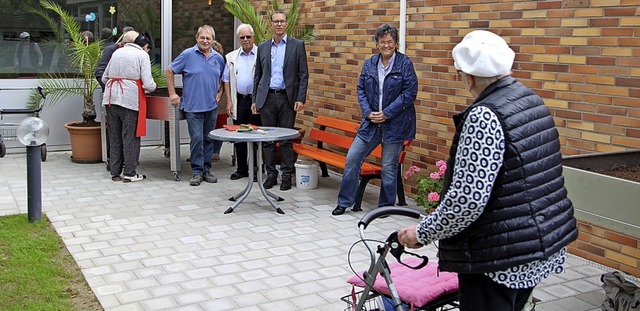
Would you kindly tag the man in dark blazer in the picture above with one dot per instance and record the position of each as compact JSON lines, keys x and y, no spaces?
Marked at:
{"x":279,"y":91}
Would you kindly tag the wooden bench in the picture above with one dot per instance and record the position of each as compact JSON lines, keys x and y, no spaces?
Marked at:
{"x":327,"y":134}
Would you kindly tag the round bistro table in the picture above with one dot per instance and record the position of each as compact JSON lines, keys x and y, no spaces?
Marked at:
{"x":263,"y":134}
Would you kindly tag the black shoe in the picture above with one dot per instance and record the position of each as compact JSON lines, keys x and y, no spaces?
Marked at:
{"x":286,"y":183}
{"x":255,"y":177}
{"x":270,"y":182}
{"x":339,"y":210}
{"x":237,"y":175}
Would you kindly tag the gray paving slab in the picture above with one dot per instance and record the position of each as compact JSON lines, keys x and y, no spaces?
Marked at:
{"x":161,"y":244}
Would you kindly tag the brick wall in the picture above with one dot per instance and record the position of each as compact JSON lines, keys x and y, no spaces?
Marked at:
{"x":581,"y":56}
{"x":610,"y":248}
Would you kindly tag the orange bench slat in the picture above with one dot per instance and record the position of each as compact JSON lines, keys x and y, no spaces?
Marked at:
{"x":343,"y":125}
{"x":331,"y":138}
{"x":333,"y":158}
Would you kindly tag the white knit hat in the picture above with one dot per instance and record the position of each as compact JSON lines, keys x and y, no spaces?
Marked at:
{"x":482,"y":53}
{"x":24,"y":35}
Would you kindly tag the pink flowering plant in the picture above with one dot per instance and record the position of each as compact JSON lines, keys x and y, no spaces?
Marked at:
{"x":429,"y":187}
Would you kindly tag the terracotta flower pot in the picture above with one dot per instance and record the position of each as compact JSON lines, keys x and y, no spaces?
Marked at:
{"x":86,"y":144}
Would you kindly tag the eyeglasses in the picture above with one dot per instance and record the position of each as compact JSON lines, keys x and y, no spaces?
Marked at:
{"x":279,"y":22}
{"x":386,"y":43}
{"x":245,"y":37}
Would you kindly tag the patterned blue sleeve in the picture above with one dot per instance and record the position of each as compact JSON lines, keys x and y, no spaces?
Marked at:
{"x":478,"y":160}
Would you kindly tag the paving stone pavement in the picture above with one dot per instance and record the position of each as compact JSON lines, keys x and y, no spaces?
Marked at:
{"x":161,"y":244}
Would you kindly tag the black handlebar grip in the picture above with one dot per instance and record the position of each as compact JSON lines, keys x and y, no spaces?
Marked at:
{"x":387,"y":211}
{"x":41,"y":93}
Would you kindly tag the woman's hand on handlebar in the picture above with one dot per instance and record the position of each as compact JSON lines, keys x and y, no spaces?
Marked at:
{"x":408,"y":238}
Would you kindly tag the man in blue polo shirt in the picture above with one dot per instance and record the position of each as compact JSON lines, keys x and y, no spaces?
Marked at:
{"x":201,"y":68}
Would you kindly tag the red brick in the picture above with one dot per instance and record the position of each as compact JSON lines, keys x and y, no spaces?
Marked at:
{"x":606,"y":61}
{"x":549,"y":5}
{"x":626,"y":102}
{"x":547,"y":23}
{"x":617,"y":32}
{"x":585,"y":50}
{"x":602,"y":41}
{"x":603,"y":22}
{"x":547,"y":41}
{"x":630,"y":82}
{"x":573,"y":115}
{"x":590,"y":248}
{"x":598,"y":118}
{"x":633,"y":133}
{"x":520,"y":23}
{"x":620,"y":11}
{"x":460,"y":9}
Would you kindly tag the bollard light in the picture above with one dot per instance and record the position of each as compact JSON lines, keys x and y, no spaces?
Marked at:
{"x":33,"y":132}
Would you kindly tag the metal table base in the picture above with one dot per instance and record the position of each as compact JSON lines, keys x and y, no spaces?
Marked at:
{"x":264,"y":134}
{"x":238,"y":198}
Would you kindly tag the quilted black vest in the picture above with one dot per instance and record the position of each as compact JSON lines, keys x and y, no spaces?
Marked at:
{"x":528,"y":216}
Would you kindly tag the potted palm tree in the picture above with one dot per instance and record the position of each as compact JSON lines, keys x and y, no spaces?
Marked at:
{"x":83,"y":56}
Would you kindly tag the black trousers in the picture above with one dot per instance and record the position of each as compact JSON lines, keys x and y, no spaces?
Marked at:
{"x":124,"y":144}
{"x":478,"y":292}
{"x":278,"y":112}
{"x":244,"y":116}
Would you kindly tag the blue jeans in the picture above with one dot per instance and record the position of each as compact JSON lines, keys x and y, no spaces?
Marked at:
{"x":200,"y":146}
{"x":356,"y":155}
{"x":217,"y":146}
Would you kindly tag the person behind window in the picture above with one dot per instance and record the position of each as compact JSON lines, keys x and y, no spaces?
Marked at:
{"x":106,"y":35}
{"x":87,"y":37}
{"x":27,"y":57}
{"x":59,"y":59}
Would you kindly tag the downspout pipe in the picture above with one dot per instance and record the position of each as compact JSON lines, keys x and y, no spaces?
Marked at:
{"x":165,"y":30}
{"x":403,"y":25}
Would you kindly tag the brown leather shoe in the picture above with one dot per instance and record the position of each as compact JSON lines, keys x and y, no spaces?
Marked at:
{"x":270,"y":182}
{"x":286,"y":183}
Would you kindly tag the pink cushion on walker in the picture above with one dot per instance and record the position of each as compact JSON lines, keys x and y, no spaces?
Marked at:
{"x":416,"y":287}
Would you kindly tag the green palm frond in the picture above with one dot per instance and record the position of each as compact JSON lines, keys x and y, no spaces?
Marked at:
{"x":144,"y":20}
{"x":244,"y":11}
{"x":158,"y":75}
{"x":83,"y":56}
{"x":53,"y":24}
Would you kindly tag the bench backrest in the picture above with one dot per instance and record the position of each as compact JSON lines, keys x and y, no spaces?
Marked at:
{"x":322,"y":136}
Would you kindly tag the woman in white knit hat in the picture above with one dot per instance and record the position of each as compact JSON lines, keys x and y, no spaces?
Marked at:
{"x":505,"y":221}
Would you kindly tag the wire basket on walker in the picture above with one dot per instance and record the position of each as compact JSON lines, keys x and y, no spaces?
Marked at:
{"x":8,"y":129}
{"x":411,"y":283}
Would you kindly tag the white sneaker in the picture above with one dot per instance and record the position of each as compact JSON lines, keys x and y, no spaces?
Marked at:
{"x":136,"y":177}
